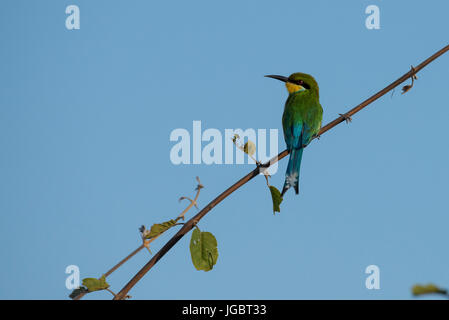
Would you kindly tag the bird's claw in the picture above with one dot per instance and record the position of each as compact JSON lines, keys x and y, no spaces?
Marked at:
{"x":347,"y":118}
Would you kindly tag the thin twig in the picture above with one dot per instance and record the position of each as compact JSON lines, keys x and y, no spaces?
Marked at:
{"x":110,"y":291}
{"x":124,"y":260}
{"x":78,"y":297}
{"x":190,"y":224}
{"x":193,"y":202}
{"x":146,"y":242}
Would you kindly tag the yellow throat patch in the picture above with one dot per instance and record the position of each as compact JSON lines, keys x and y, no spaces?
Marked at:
{"x":291,"y":87}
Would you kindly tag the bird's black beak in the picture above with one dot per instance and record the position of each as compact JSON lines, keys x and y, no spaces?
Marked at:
{"x":281,"y":78}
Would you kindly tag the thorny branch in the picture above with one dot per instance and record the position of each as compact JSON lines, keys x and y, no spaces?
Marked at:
{"x":146,"y":242}
{"x":190,"y":224}
{"x":262,"y":167}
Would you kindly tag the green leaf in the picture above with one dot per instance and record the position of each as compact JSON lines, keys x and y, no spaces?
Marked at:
{"x":93,"y":284}
{"x":158,"y":228}
{"x":75,"y":293}
{"x":427,"y":289}
{"x":203,"y":249}
{"x":277,"y":199}
{"x":249,"y":148}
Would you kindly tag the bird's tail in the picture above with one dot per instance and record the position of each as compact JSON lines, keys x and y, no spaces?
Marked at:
{"x":292,"y":174}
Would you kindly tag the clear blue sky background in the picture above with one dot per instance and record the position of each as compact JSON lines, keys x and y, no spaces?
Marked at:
{"x":85,"y":119}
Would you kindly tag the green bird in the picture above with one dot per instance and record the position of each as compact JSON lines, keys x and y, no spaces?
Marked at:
{"x":301,"y":121}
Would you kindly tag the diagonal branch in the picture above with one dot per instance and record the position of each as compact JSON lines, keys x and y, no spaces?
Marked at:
{"x":193,"y":221}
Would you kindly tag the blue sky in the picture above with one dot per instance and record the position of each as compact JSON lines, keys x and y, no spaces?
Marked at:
{"x":85,"y":120}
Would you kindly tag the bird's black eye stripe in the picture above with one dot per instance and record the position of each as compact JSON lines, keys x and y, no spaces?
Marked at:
{"x":302,"y":83}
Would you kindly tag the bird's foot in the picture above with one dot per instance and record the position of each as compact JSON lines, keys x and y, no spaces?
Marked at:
{"x":346,"y":117}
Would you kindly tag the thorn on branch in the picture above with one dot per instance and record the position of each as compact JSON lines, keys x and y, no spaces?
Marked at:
{"x":199,"y":186}
{"x":413,"y":77}
{"x":262,"y":165}
{"x":146,"y":244}
{"x":345,"y":116}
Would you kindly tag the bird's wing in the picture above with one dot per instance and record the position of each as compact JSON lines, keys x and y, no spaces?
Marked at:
{"x":296,"y":138}
{"x":300,"y":135}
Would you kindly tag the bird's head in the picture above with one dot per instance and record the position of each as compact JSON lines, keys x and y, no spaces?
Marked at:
{"x":298,"y":82}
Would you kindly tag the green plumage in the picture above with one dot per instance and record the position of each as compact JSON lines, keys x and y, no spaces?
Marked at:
{"x":301,"y":121}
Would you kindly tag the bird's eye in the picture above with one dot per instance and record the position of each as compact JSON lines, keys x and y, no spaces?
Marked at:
{"x":302,"y":83}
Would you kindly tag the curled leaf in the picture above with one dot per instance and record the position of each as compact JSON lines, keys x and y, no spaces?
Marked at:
{"x":159,"y":228}
{"x":277,"y":199}
{"x":203,"y":250}
{"x":427,"y":289}
{"x":249,"y":148}
{"x":93,"y":284}
{"x":406,"y":88}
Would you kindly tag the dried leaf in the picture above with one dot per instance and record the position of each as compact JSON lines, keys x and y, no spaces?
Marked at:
{"x":406,"y":88}
{"x":249,"y":148}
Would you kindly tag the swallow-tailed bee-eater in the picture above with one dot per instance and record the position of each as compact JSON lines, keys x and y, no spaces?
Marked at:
{"x":301,"y":121}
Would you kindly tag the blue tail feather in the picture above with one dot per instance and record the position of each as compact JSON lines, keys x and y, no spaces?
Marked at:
{"x":292,"y":174}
